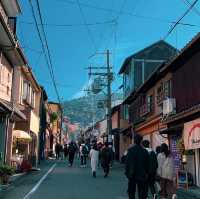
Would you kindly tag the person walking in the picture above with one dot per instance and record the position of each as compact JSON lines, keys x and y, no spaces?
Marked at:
{"x":166,"y":173}
{"x":83,"y":154}
{"x":65,"y":151}
{"x":94,"y":156}
{"x":136,"y":169}
{"x":105,"y":159}
{"x":71,"y":151}
{"x":57,"y":150}
{"x":152,"y":171}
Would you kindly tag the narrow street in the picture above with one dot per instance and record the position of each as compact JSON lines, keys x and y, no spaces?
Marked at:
{"x":70,"y":183}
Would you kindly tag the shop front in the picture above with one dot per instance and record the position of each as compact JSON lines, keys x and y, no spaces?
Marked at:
{"x":191,"y":137}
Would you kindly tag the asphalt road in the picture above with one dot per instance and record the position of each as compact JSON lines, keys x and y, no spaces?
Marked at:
{"x":58,"y":181}
{"x":69,"y":183}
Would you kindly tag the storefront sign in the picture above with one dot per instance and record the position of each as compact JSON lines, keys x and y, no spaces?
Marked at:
{"x":175,"y":153}
{"x":192,"y":135}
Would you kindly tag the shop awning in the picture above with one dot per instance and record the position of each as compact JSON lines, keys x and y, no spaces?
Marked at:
{"x":21,"y":135}
{"x":174,"y":130}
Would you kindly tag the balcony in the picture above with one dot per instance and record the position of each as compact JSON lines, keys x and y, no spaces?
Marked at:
{"x":8,"y":38}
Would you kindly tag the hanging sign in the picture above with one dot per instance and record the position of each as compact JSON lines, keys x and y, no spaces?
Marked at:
{"x":192,"y":134}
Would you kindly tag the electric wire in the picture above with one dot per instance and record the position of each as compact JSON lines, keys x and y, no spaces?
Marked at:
{"x":179,"y":20}
{"x":149,"y":18}
{"x":48,"y":50}
{"x":188,"y":3}
{"x":69,"y":25}
{"x":43,"y":47}
{"x":86,"y":26}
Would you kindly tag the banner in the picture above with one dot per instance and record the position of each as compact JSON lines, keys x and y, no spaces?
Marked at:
{"x":192,"y":134}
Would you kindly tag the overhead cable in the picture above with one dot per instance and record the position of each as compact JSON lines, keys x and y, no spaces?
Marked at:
{"x":179,"y":20}
{"x":43,"y":48}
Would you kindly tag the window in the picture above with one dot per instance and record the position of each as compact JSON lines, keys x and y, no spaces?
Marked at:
{"x":167,"y":88}
{"x":8,"y":77}
{"x":33,"y":98}
{"x":150,"y":103}
{"x":8,"y":90}
{"x":25,"y":90}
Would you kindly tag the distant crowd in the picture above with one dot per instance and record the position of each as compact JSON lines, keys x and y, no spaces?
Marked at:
{"x":99,"y":154}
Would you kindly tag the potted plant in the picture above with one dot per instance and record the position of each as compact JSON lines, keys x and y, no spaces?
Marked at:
{"x":5,"y":172}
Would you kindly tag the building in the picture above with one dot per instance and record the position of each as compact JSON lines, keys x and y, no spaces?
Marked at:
{"x":27,"y":96}
{"x":43,"y":124}
{"x":10,"y":57}
{"x":55,"y":124}
{"x":184,"y":123}
{"x":137,"y":70}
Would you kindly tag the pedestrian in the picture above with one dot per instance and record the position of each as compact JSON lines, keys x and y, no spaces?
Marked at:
{"x":152,"y":171}
{"x":136,"y":169}
{"x":158,"y":150}
{"x":71,"y":151}
{"x":111,"y":154}
{"x":84,"y":153}
{"x":57,"y":150}
{"x":61,"y":151}
{"x":65,"y":151}
{"x":94,"y":156}
{"x":166,"y":173}
{"x":105,"y":159}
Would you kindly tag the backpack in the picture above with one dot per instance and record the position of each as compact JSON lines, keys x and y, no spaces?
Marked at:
{"x":84,"y":150}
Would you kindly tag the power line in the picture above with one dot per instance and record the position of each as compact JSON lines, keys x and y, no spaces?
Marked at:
{"x":43,"y":48}
{"x":149,"y":18}
{"x":179,"y":20}
{"x":86,"y":26}
{"x":188,"y":3}
{"x":70,"y":25}
{"x":48,"y":50}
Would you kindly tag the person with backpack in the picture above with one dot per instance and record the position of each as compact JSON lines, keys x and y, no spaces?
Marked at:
{"x":71,"y":152}
{"x":83,"y":154}
{"x":152,"y":171}
{"x":106,"y":159}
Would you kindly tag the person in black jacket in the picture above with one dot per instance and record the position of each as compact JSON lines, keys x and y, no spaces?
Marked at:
{"x":105,"y":159}
{"x":153,"y":166}
{"x":136,"y":169}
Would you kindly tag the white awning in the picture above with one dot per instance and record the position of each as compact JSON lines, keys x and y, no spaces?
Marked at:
{"x":21,"y":135}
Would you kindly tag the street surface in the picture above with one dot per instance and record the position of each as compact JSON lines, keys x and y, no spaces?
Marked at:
{"x":70,"y":183}
{"x":57,"y":180}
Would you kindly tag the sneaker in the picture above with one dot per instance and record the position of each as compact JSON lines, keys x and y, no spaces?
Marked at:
{"x":155,"y":196}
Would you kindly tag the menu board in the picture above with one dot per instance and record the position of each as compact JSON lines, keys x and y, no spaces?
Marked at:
{"x":175,"y":152}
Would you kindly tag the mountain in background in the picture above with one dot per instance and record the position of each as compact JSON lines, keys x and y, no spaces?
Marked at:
{"x":85,"y":110}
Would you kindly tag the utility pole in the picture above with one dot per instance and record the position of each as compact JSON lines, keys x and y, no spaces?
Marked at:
{"x":108,"y":74}
{"x":109,"y":99}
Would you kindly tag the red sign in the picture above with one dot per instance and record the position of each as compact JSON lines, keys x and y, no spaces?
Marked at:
{"x":192,"y":134}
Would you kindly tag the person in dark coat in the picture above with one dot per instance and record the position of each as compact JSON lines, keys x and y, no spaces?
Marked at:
{"x":136,"y":169}
{"x":71,"y":151}
{"x":153,"y":166}
{"x":65,"y":151}
{"x":105,"y":159}
{"x":57,"y":150}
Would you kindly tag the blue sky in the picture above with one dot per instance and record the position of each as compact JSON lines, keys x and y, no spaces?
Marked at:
{"x":140,"y":23}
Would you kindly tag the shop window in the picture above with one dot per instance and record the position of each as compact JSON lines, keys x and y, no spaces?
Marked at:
{"x":150,"y":104}
{"x":25,"y":90}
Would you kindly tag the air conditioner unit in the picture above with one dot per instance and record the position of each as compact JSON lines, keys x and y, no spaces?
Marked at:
{"x":169,"y":106}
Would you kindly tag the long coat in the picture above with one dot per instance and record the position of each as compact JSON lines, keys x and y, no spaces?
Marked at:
{"x":94,"y":155}
{"x":137,"y":163}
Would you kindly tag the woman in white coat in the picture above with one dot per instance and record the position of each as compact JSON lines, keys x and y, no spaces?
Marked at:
{"x":94,"y":155}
